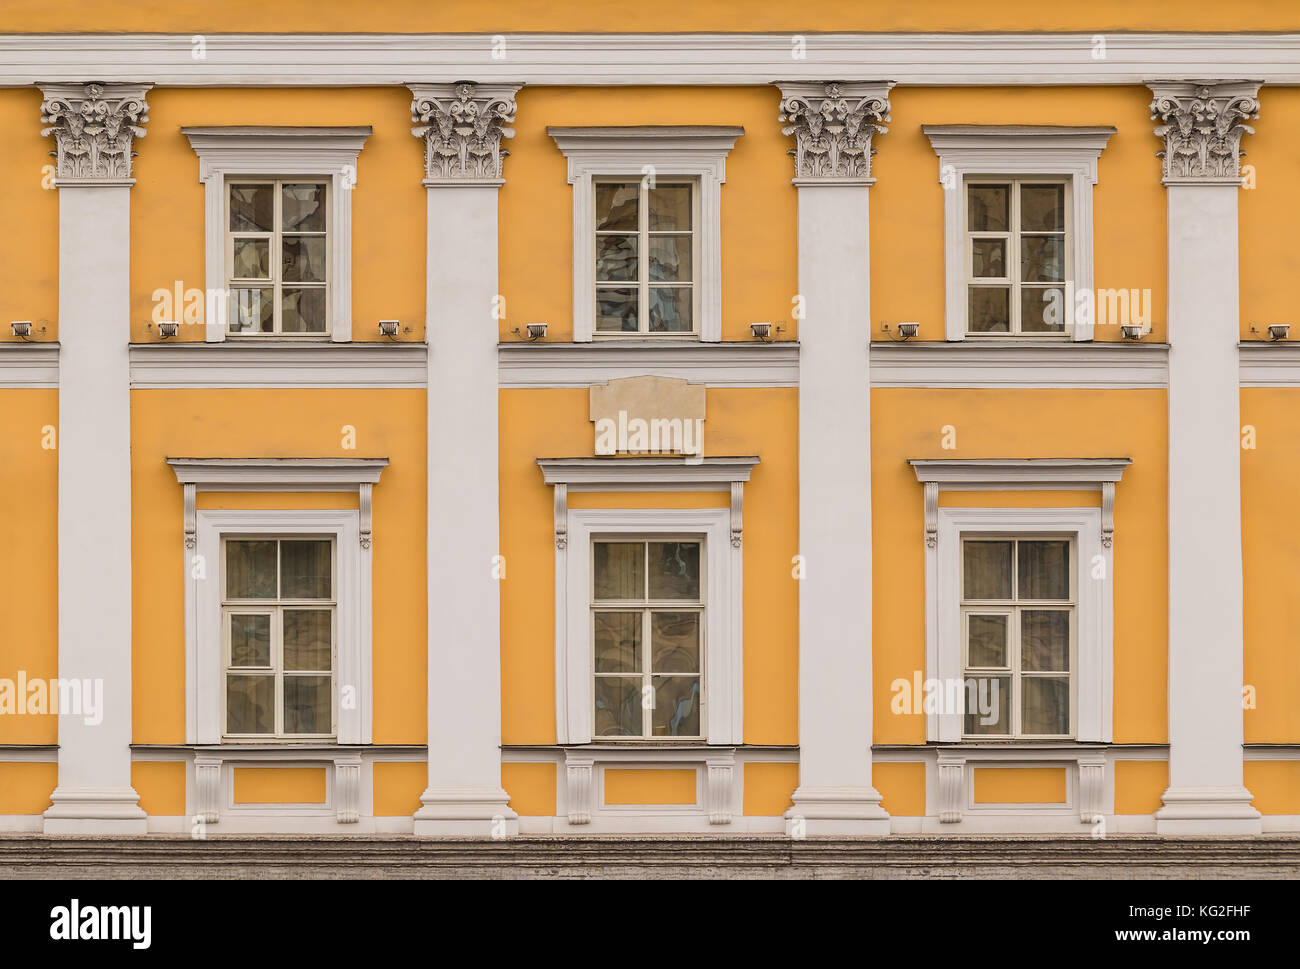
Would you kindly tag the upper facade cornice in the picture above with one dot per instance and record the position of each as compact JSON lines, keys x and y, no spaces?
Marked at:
{"x":948,"y":59}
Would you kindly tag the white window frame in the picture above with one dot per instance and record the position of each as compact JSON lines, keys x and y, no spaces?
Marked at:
{"x":1092,"y":678}
{"x":643,"y":283}
{"x":1012,"y":608}
{"x":720,"y":562}
{"x":276,"y":608}
{"x":646,"y":607}
{"x":1011,"y":280}
{"x":275,"y":243}
{"x":693,"y":152}
{"x":328,"y":154}
{"x":1017,"y":151}
{"x":205,"y":669}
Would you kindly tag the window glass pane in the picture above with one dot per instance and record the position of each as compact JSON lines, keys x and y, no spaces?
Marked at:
{"x":677,"y":706}
{"x":616,"y":205}
{"x":988,"y":258}
{"x":250,"y":569}
{"x":305,"y":569}
{"x":986,"y":570}
{"x":990,"y":309}
{"x":1042,"y":259}
{"x":308,"y":635}
{"x":618,"y":706}
{"x":252,"y":208}
{"x":250,"y":704}
{"x":250,"y":640}
{"x":251,"y":259}
{"x":616,"y":258}
{"x":303,"y":310}
{"x":988,"y":208}
{"x":308,"y":704}
{"x":303,"y":259}
{"x":1045,"y":640}
{"x":251,"y":310}
{"x":619,"y":570}
{"x":987,"y":639}
{"x":1045,"y":705}
{"x":670,"y":208}
{"x":616,"y":311}
{"x":675,"y":570}
{"x":1042,"y":309}
{"x":618,"y":642}
{"x":303,"y":208}
{"x":1044,"y":570}
{"x":670,"y":309}
{"x":988,"y":705}
{"x":670,"y":259}
{"x":675,"y":642}
{"x":1042,"y":208}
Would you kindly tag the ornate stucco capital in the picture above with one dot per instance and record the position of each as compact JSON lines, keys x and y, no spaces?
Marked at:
{"x":833,"y":124}
{"x":94,"y":126}
{"x":1201,"y":123}
{"x":462,"y":125}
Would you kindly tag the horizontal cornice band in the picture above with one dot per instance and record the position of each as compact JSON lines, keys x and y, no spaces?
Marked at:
{"x":29,"y":366}
{"x":158,"y":366}
{"x":522,"y":365}
{"x":1012,"y":365}
{"x":1270,"y":364}
{"x":337,"y":60}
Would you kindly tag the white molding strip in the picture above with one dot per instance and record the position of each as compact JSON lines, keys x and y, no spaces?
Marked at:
{"x":978,"y":363}
{"x":731,"y":364}
{"x":619,"y":472}
{"x":1269,"y":364}
{"x":341,"y":60}
{"x":29,"y":366}
{"x":161,"y":366}
{"x":997,"y":473}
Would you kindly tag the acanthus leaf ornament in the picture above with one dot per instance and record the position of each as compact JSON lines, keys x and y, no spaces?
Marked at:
{"x":1202,"y":123}
{"x":463,"y":125}
{"x":94,"y":127}
{"x":833,"y":125}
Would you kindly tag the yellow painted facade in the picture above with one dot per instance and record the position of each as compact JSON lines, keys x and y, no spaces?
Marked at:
{"x":332,"y":401}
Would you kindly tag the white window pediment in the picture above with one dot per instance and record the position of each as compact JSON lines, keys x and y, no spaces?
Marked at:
{"x":967,"y":151}
{"x":205,"y":530}
{"x":1091,"y":531}
{"x":694,"y":152}
{"x":325,"y":153}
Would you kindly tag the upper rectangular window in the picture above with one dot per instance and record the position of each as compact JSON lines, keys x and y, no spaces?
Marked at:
{"x":1018,"y":248}
{"x":645,"y":256}
{"x":279,"y":631}
{"x":277,"y":257}
{"x":647,"y":616}
{"x":1017,"y":622}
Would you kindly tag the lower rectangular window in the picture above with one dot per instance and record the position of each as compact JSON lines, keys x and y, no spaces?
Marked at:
{"x":279,"y":636}
{"x":1018,"y":636}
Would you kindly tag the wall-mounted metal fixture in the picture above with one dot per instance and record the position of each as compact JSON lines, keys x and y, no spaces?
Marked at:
{"x":22,"y":329}
{"x":536,"y":331}
{"x":389,"y":328}
{"x":168,"y":329}
{"x":1131,"y":331}
{"x":761,"y":331}
{"x":1278,"y":331}
{"x":905,"y":331}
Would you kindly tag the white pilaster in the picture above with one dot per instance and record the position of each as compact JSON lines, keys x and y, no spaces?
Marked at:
{"x":1202,"y":130}
{"x":94,"y":793}
{"x":464,"y":796}
{"x":833,"y":163}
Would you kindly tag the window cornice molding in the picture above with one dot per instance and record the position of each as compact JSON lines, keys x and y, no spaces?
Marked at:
{"x":1016,"y":150}
{"x":276,"y":151}
{"x":621,"y":472}
{"x":695,"y":151}
{"x":277,"y":474}
{"x":1000,"y":472}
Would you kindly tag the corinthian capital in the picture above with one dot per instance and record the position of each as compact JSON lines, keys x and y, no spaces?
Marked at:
{"x":462,"y":125}
{"x":1202,"y":123}
{"x":94,"y":126}
{"x":833,"y":124}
